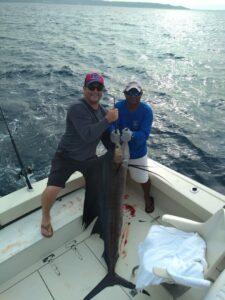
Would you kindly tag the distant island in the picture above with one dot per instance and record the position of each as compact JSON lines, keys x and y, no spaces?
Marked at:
{"x":137,"y":4}
{"x":102,"y":3}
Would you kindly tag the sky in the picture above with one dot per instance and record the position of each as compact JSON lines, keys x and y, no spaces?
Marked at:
{"x":194,"y":4}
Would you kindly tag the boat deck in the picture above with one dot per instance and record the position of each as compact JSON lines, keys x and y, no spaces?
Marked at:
{"x":70,"y":265}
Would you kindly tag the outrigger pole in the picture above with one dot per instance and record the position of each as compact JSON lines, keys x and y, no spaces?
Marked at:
{"x":23,"y":170}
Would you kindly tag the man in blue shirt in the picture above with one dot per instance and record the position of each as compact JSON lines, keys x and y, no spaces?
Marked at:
{"x":133,"y":127}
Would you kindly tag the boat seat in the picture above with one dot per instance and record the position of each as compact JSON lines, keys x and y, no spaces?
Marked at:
{"x":217,"y":290}
{"x":213,"y":233}
{"x":186,"y":253}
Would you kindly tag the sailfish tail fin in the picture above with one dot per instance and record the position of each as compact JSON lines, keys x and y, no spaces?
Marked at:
{"x":110,"y":280}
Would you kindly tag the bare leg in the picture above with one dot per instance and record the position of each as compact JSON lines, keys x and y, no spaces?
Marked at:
{"x":149,"y":201}
{"x":48,"y":199}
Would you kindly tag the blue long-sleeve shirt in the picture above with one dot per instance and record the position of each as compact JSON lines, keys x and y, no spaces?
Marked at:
{"x":139,"y":122}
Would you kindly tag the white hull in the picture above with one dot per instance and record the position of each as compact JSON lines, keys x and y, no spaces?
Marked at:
{"x":76,"y":269}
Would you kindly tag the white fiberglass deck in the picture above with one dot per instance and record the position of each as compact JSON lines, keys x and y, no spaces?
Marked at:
{"x":75,"y":268}
{"x":70,"y":265}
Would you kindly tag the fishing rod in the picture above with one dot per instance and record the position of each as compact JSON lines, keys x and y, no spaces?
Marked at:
{"x":114,"y":106}
{"x":114,"y":101}
{"x":23,"y":170}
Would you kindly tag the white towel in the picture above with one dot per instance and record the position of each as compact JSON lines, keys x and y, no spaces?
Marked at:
{"x":181,"y":253}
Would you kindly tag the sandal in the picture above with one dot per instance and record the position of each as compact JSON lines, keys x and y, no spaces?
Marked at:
{"x":149,"y":205}
{"x":47,"y":228}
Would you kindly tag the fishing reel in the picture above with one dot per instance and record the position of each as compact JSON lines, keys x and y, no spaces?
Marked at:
{"x":28,"y":172}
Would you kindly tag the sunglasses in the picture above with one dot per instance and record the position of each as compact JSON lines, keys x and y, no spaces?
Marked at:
{"x":98,"y":87}
{"x":133,"y":93}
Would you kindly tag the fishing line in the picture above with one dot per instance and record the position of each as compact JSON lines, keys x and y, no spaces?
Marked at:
{"x":23,"y":170}
{"x":139,"y":166}
{"x":146,"y":168}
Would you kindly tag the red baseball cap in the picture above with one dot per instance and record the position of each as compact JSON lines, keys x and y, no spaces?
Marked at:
{"x":93,"y":77}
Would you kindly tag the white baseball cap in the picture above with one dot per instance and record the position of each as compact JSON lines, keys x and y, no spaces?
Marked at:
{"x":133,"y":85}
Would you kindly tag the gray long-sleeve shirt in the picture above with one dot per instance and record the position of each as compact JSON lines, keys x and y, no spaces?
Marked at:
{"x":84,"y":128}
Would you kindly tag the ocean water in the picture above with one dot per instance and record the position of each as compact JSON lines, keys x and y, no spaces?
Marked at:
{"x":178,"y":56}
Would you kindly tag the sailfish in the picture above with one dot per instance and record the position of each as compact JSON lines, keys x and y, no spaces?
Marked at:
{"x":105,"y":183}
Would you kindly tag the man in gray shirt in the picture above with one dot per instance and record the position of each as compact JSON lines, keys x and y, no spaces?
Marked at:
{"x":86,"y":124}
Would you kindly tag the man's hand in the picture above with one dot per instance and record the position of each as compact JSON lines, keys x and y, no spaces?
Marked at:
{"x":115,"y":136}
{"x":126,"y":135}
{"x":112,"y":115}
